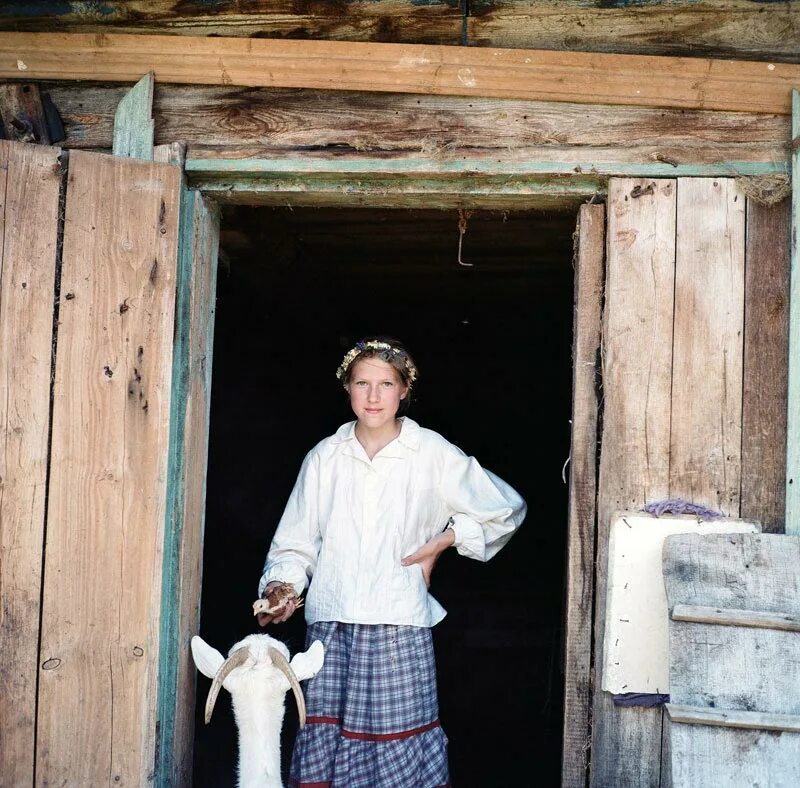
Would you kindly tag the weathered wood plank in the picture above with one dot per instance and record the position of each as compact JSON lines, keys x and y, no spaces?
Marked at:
{"x":744,"y":29}
{"x":734,"y":667}
{"x":540,"y":75}
{"x":229,"y":123}
{"x":133,"y":122}
{"x":431,"y":22}
{"x":589,"y":273}
{"x":102,"y":584}
{"x":740,"y":675}
{"x":763,"y":568}
{"x":753,"y":720}
{"x":731,"y":28}
{"x":766,"y":357}
{"x":30,"y":187}
{"x":703,"y":614}
{"x":634,"y":459}
{"x":711,"y":757}
{"x":706,"y":432}
{"x":183,"y":546}
{"x":793,"y":403}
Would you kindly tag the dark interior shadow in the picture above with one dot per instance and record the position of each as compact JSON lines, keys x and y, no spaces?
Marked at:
{"x":493,"y":345}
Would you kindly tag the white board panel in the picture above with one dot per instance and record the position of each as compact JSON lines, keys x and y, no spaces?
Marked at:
{"x":636,"y":657}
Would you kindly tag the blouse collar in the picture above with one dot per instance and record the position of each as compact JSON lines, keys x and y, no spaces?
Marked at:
{"x":409,"y":433}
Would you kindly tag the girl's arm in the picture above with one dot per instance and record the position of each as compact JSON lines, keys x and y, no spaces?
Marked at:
{"x":485,"y":510}
{"x":292,"y":556}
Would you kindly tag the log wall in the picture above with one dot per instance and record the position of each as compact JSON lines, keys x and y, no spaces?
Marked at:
{"x":746,"y":29}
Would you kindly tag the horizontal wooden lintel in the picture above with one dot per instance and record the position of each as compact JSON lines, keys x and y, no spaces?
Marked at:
{"x":350,"y":166}
{"x":700,"y":614}
{"x":583,"y":77}
{"x":726,"y":718}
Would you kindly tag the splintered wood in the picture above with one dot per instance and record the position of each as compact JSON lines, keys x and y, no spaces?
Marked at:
{"x":102,"y":581}
{"x":30,"y":179}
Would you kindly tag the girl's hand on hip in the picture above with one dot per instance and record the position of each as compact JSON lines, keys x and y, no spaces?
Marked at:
{"x":429,"y":553}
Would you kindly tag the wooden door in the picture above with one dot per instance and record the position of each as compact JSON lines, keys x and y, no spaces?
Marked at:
{"x":693,"y":391}
{"x":106,"y":311}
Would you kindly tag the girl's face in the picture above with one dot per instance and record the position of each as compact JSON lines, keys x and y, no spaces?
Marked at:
{"x":375,"y":390}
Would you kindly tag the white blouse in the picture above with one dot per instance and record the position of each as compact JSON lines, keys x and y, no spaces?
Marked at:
{"x":349,"y":522}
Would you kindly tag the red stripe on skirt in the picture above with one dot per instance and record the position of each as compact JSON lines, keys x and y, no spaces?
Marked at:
{"x":370,"y":736}
{"x":296,"y":784}
{"x":323,"y":721}
{"x":390,"y":736}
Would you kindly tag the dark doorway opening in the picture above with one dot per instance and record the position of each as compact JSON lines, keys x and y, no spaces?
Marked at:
{"x":493,"y":344}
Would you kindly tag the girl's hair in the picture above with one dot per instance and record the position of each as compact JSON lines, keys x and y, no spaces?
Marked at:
{"x":387,"y":349}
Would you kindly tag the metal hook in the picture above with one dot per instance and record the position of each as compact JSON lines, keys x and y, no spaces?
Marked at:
{"x":463,"y":216}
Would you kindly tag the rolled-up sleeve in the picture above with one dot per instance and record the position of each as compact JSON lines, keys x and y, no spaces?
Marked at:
{"x":293,"y":553}
{"x":485,"y":510}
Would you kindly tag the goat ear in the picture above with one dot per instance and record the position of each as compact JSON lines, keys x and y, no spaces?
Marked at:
{"x":307,"y":664}
{"x":206,"y":658}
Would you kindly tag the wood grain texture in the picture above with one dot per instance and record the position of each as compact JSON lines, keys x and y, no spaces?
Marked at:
{"x":183,"y":545}
{"x":736,"y":678}
{"x":744,"y":29}
{"x":589,"y":274}
{"x":754,"y":720}
{"x":230,"y":123}
{"x":740,"y":571}
{"x":102,"y":585}
{"x":766,"y":360}
{"x":729,"y":28}
{"x":792,"y":520}
{"x":705,"y":614}
{"x":715,"y":756}
{"x":540,"y":75}
{"x":431,"y":22}
{"x":706,"y":430}
{"x":634,"y":459}
{"x":133,"y":122}
{"x":30,"y":187}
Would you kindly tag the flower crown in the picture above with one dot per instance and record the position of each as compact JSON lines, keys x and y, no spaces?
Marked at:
{"x":373,"y":344}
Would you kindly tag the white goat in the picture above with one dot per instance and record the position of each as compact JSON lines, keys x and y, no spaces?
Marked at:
{"x":257,"y":673}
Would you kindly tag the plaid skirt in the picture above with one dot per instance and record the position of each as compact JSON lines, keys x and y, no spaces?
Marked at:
{"x":373,"y":715}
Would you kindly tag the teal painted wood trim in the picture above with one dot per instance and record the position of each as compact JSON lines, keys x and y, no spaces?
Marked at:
{"x":376,"y":168}
{"x":793,"y":416}
{"x":198,"y":231}
{"x":133,"y":121}
{"x":173,"y":525}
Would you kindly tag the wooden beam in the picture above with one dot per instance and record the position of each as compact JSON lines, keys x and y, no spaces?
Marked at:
{"x":133,"y":121}
{"x":589,"y":276}
{"x":793,"y":407}
{"x":405,"y":68}
{"x":702,"y":614}
{"x":697,"y":28}
{"x":267,"y":123}
{"x":727,"y":718}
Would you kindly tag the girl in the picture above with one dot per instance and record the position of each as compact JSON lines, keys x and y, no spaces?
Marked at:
{"x":374,"y":507}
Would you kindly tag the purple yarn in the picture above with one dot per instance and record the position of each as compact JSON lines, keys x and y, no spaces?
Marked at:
{"x":680,"y":506}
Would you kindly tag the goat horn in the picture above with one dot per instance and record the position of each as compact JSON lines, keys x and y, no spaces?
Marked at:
{"x":233,"y":661}
{"x":283,"y":665}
